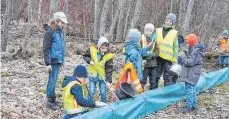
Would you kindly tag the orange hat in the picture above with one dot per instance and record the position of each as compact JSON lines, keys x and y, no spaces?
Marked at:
{"x":192,"y":39}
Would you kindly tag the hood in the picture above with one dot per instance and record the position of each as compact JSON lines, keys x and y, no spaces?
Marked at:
{"x":130,"y":46}
{"x":200,"y":48}
{"x":67,"y":80}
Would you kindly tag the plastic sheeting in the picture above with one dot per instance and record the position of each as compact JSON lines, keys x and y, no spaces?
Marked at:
{"x":150,"y":101}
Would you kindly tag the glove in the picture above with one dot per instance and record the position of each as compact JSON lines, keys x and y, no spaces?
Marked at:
{"x":151,"y":55}
{"x":181,"y":54}
{"x":100,"y":104}
{"x":91,"y":62}
{"x":48,"y":68}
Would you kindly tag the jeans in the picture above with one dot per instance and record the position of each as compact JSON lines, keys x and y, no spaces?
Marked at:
{"x":150,"y":72}
{"x":223,"y":60}
{"x":191,"y":100}
{"x":102,"y":88}
{"x":52,"y":79}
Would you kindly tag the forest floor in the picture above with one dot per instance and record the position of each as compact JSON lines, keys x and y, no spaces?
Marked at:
{"x":24,"y":81}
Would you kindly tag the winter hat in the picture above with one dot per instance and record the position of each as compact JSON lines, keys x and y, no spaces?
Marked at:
{"x":192,"y":39}
{"x":134,"y":36}
{"x":172,"y":17}
{"x":225,"y":32}
{"x":149,"y":26}
{"x":61,"y":16}
{"x":101,"y":41}
{"x":80,"y":71}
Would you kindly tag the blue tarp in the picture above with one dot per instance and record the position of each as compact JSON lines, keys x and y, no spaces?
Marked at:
{"x":150,"y":101}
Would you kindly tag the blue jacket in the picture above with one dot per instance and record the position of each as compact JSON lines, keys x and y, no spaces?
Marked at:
{"x":53,"y":46}
{"x":77,"y":91}
{"x":134,"y":54}
{"x":192,"y":62}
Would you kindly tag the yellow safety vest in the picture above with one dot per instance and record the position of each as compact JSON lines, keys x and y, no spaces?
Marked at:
{"x":144,"y":43}
{"x":98,"y":69}
{"x":165,"y":44}
{"x":70,"y":104}
{"x":224,"y":45}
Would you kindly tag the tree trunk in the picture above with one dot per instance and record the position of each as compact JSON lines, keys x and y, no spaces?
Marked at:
{"x":53,"y":7}
{"x":39,"y":11}
{"x":181,"y":15}
{"x":106,"y":8}
{"x":187,"y":17}
{"x":136,"y":13}
{"x":84,"y":22}
{"x":127,"y":21}
{"x":97,"y":19}
{"x":120,"y":27}
{"x":6,"y":21}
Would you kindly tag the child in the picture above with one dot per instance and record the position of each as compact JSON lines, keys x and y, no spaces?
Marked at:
{"x":74,"y":91}
{"x":223,"y":45}
{"x":53,"y":46}
{"x":101,"y":67}
{"x":150,"y":62}
{"x":191,"y":59}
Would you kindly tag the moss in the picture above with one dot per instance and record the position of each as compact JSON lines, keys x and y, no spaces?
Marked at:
{"x":43,"y":91}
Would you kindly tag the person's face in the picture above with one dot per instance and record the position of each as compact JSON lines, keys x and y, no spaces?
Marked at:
{"x":148,"y":32}
{"x":168,"y":22}
{"x":103,"y":49}
{"x":61,"y":24}
{"x":82,"y":80}
{"x":225,"y":36}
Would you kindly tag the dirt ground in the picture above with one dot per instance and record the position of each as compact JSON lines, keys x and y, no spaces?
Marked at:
{"x":23,"y":85}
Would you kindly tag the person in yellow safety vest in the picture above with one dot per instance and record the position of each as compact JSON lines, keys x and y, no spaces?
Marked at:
{"x":223,"y":48}
{"x":100,"y":68}
{"x":149,"y":60}
{"x":167,"y":41}
{"x":74,"y":93}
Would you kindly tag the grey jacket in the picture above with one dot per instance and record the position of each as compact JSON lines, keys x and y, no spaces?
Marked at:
{"x":192,"y":61}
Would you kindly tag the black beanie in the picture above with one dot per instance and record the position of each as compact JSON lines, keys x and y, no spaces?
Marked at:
{"x":80,"y":71}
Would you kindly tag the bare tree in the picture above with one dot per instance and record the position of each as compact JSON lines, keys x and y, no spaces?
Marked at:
{"x":97,"y":18}
{"x":136,"y":13}
{"x":53,"y":7}
{"x":6,"y":21}
{"x":106,"y":8}
{"x":188,"y":17}
{"x":39,"y":10}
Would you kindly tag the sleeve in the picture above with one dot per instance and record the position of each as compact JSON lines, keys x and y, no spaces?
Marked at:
{"x":47,"y":42}
{"x":189,"y":60}
{"x":109,"y":70}
{"x":176,"y":47}
{"x":87,"y":56}
{"x":78,"y":94}
{"x":132,"y":58}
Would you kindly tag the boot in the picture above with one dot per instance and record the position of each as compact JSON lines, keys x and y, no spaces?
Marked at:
{"x":51,"y":104}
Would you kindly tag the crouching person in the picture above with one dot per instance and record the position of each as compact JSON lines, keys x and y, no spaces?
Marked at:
{"x":191,"y":59}
{"x":75,"y":90}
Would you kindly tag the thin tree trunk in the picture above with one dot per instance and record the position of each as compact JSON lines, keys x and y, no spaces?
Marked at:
{"x":136,"y":13}
{"x":127,"y":24}
{"x":97,"y":19}
{"x":30,"y":11}
{"x":53,"y":7}
{"x":84,"y":22}
{"x":6,"y":20}
{"x":103,"y":21}
{"x":181,"y":15}
{"x":187,"y":17}
{"x":121,"y":24}
{"x":39,"y":11}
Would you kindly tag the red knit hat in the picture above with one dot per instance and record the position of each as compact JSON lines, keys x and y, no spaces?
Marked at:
{"x":192,"y":39}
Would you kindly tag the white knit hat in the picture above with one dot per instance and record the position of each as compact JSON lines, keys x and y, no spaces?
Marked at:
{"x":149,"y":26}
{"x":101,"y":41}
{"x":61,"y":16}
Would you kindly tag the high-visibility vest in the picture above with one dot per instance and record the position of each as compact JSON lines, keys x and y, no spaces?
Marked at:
{"x":70,"y":104}
{"x":165,"y":44}
{"x":134,"y":77}
{"x":98,"y":69}
{"x":224,"y":45}
{"x":144,"y":43}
